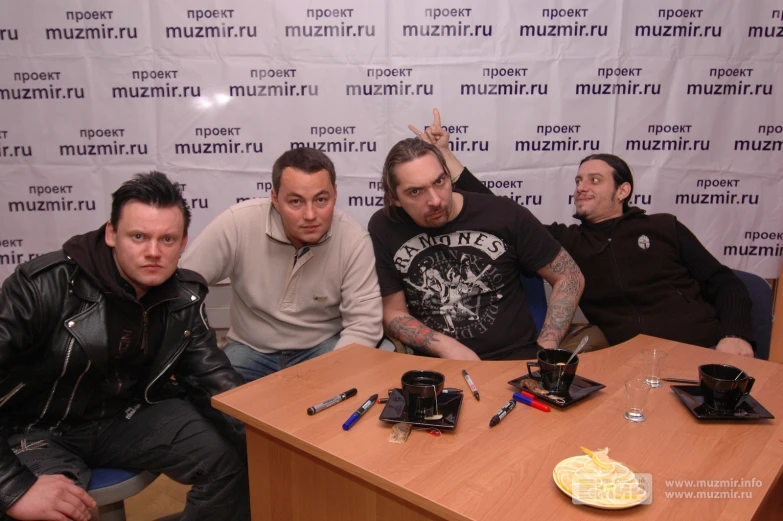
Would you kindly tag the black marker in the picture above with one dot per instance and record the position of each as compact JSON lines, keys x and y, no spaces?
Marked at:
{"x":331,"y":401}
{"x":502,"y":413}
{"x":470,"y":384}
{"x":452,"y":390}
{"x":680,"y":381}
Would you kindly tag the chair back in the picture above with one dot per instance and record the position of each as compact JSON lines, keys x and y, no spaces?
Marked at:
{"x":535,"y":296}
{"x":761,"y":315}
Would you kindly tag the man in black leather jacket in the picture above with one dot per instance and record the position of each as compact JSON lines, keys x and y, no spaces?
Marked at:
{"x":107,"y":360}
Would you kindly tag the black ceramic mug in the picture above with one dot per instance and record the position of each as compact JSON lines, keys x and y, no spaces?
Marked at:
{"x":724,"y":386}
{"x":553,"y":373}
{"x":421,"y":390}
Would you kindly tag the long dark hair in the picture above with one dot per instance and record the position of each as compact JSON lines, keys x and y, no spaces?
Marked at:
{"x":403,"y":152}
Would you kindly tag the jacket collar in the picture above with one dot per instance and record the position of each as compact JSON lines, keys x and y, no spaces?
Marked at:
{"x":184,"y":296}
{"x":83,"y":287}
{"x":86,"y":289}
{"x":172,"y":289}
{"x":276,"y":232}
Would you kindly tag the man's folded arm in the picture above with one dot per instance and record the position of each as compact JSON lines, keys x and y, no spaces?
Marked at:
{"x":20,"y":319}
{"x":719,"y":285}
{"x":399,"y":324}
{"x":360,"y":304}
{"x":204,"y":371}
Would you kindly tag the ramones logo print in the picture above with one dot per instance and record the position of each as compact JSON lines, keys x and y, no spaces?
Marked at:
{"x":454,"y":291}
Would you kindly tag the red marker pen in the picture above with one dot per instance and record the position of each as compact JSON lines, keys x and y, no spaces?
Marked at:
{"x":531,"y":402}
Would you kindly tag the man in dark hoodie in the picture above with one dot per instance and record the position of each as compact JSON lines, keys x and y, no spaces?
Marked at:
{"x":107,"y":360}
{"x":644,"y":274}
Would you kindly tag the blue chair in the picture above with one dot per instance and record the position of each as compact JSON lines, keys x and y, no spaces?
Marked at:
{"x":111,"y":487}
{"x":761,"y":315}
{"x":535,"y":296}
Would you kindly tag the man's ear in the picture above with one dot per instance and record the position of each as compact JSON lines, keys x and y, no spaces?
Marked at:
{"x":273,"y":197}
{"x":623,"y":191}
{"x":110,"y":236}
{"x":184,"y":243}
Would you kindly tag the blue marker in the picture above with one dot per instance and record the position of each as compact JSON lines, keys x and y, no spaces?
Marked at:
{"x":360,"y":412}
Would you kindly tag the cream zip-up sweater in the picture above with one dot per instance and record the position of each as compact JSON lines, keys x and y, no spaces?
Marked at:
{"x":278,"y":304}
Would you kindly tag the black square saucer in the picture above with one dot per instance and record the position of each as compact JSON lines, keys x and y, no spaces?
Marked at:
{"x":580,"y":389}
{"x":693,"y":398}
{"x":448,"y":405}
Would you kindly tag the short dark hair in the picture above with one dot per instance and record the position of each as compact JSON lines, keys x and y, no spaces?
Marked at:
{"x":154,"y":189}
{"x":621,"y":172}
{"x":308,"y":160}
{"x":403,"y":152}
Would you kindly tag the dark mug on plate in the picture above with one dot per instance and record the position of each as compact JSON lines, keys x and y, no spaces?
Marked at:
{"x":421,"y":390}
{"x":555,"y":376}
{"x":724,"y":386}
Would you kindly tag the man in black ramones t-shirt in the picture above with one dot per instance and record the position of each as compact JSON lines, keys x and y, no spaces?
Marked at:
{"x":449,"y":264}
{"x":645,"y":273}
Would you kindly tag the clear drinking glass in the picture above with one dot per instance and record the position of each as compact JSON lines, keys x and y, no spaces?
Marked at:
{"x":653,"y":363}
{"x":635,"y":397}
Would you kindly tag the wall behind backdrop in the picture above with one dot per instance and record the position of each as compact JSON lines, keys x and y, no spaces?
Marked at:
{"x":212,"y":92}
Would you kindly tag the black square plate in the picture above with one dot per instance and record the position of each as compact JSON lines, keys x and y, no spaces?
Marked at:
{"x":692,"y":397}
{"x":448,"y":405}
{"x":580,"y":389}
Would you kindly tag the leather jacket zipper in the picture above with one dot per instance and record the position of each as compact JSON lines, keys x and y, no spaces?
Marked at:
{"x":170,"y":362}
{"x":73,"y":394}
{"x":686,"y":299}
{"x":165,"y":368}
{"x":144,"y":324}
{"x":54,"y":386}
{"x":11,"y":393}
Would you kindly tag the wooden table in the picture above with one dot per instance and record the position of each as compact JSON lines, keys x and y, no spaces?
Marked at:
{"x":307,"y":468}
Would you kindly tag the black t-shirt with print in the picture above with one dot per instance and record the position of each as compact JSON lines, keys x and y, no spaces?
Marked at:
{"x":463,"y":280}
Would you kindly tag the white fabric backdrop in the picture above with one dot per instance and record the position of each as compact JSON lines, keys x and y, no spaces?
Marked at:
{"x":89,"y":96}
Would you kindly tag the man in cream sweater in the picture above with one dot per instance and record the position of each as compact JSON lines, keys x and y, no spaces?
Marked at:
{"x":302,"y":272}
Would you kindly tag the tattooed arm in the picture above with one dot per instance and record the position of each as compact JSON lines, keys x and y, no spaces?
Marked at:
{"x":399,"y":324}
{"x":567,"y":285}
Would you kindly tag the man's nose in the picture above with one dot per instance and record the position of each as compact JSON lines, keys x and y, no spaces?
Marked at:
{"x":434,"y":199}
{"x":309,"y":212}
{"x":153,"y":249}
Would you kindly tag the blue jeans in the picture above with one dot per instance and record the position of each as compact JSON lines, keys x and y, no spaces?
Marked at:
{"x":253,"y":364}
